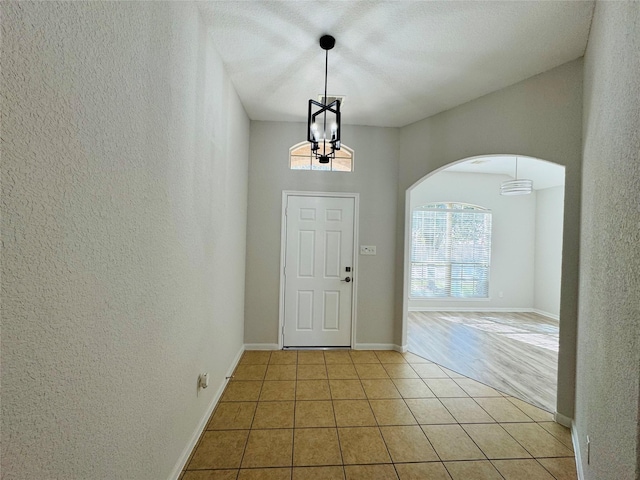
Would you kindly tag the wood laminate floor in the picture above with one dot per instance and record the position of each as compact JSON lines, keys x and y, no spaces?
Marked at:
{"x":516,"y":353}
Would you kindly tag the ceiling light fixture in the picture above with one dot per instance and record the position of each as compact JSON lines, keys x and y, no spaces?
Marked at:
{"x":516,"y":187}
{"x":324,"y":132}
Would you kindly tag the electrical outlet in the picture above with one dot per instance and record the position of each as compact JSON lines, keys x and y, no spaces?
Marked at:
{"x":203,"y":380}
{"x":501,"y":294}
{"x":367,"y":249}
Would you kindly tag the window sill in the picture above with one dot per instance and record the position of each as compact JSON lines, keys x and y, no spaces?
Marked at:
{"x":450,"y":299}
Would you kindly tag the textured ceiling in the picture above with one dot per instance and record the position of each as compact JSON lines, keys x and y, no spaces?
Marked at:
{"x":396,"y":61}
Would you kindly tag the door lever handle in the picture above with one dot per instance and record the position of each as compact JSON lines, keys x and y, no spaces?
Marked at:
{"x":348,"y":279}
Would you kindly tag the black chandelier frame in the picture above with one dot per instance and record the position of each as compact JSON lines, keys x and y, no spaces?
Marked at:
{"x":330,"y":143}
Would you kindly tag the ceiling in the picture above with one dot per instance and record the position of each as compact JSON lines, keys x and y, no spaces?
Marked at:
{"x":544,"y":174}
{"x":395,"y":61}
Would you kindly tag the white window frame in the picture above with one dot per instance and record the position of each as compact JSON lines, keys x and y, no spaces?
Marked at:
{"x":476,"y":260}
{"x":311,"y":169}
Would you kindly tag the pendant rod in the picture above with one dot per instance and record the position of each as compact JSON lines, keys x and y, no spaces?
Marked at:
{"x":326,"y":72}
{"x":324,"y":101}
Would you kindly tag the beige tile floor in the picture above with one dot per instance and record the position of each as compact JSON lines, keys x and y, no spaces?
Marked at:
{"x":374,"y":415}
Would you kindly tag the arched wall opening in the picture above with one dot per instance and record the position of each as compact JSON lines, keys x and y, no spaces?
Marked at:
{"x":526,"y":254}
{"x":540,"y":117}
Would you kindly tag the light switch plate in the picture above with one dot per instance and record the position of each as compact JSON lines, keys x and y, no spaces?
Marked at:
{"x":367,"y":249}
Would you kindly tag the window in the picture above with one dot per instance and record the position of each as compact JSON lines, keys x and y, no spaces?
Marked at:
{"x":300,"y":158}
{"x":450,"y":251}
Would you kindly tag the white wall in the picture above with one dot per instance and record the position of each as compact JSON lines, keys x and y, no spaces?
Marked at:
{"x":608,"y":376}
{"x":539,"y":117}
{"x":124,"y":179}
{"x":548,"y":252}
{"x":375,"y":178}
{"x":512,"y":237}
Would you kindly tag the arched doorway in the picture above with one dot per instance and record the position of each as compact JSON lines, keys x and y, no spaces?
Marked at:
{"x":503,"y":332}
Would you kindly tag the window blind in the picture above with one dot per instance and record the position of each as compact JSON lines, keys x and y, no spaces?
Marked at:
{"x":450,"y":251}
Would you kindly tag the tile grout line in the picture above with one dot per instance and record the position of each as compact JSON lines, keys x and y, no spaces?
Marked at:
{"x":422,"y":429}
{"x":545,"y":468}
{"x":412,"y":414}
{"x":295,"y":408}
{"x":335,"y":418}
{"x":538,"y":423}
{"x":419,"y":425}
{"x":366,"y":397}
{"x":520,"y":443}
{"x":246,"y":443}
{"x":252,"y":420}
{"x":457,"y":422}
{"x":497,"y":423}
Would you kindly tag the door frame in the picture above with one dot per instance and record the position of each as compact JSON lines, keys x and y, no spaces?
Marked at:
{"x":283,"y":248}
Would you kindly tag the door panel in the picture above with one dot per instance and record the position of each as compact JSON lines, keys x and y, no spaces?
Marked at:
{"x":318,"y":250}
{"x":306,"y":253}
{"x":304,"y":312}
{"x":332,"y":259}
{"x":331,"y":310}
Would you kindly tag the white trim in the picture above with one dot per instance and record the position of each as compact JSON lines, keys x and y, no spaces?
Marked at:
{"x":471,"y":309}
{"x":449,"y":299}
{"x":186,"y":453}
{"x":406,"y":277}
{"x":552,"y":316}
{"x":283,"y":256}
{"x":261,"y":346}
{"x":356,"y":242}
{"x":380,"y":346}
{"x":283,"y":248}
{"x":562,"y":419}
{"x":576,"y":450}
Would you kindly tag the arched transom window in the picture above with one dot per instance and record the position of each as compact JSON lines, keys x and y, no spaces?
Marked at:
{"x":300,"y":158}
{"x":450,"y":251}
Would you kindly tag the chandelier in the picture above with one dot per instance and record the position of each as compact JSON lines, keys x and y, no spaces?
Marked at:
{"x":323,"y":121}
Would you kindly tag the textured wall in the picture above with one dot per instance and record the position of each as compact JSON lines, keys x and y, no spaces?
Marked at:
{"x":513,"y":236}
{"x":608,"y":376}
{"x":124,"y":180}
{"x":548,"y":254}
{"x":539,"y":117}
{"x":374,"y":178}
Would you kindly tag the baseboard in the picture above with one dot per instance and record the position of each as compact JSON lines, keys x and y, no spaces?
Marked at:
{"x":546,"y":314}
{"x":576,"y":449}
{"x":261,"y":346}
{"x":378,"y":346}
{"x":562,"y":419}
{"x":470,"y":309}
{"x":358,"y":346}
{"x":184,"y":457}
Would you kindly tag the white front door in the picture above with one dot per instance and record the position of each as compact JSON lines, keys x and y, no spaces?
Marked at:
{"x":318,"y":270}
